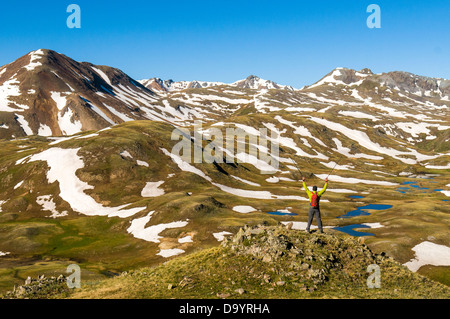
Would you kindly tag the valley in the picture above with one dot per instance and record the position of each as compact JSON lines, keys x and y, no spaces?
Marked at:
{"x":89,"y":174}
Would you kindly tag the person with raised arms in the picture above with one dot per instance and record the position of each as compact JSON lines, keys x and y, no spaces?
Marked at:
{"x":314,"y":201}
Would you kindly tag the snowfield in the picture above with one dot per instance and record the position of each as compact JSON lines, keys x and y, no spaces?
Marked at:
{"x":47,"y":203}
{"x":243,"y":209}
{"x":352,"y":180}
{"x":151,"y":189}
{"x":166,"y":253}
{"x":151,"y":233}
{"x":221,"y":235}
{"x":428,"y":253}
{"x":63,"y":164}
{"x":34,"y":57}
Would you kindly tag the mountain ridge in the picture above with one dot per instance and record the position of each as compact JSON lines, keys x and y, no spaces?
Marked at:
{"x":251,"y":82}
{"x":49,"y":94}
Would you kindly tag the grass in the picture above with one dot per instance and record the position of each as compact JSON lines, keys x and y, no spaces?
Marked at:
{"x":103,"y":246}
{"x":219,"y":272}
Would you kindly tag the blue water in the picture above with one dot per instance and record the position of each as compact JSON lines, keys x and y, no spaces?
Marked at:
{"x":403,"y":190}
{"x":361,"y":211}
{"x":349,"y":229}
{"x":282,"y":214}
{"x":418,"y":187}
{"x":413,"y":185}
{"x":356,"y":196}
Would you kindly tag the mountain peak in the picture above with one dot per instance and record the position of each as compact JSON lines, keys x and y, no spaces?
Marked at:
{"x":256,"y":83}
{"x":344,"y":76}
{"x":253,"y":77}
{"x":366,"y":71}
{"x":47,"y":93}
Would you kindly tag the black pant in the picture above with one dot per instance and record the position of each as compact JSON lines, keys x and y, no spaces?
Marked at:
{"x":314,"y":212}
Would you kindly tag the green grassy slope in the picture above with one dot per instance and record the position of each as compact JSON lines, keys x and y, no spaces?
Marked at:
{"x":270,"y":262}
{"x":102,"y":246}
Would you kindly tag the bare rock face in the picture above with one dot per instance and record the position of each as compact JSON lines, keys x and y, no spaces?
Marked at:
{"x":47,"y":93}
{"x":397,"y":80}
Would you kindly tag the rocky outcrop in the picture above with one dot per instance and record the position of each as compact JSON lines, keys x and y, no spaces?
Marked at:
{"x":312,"y":257}
{"x":42,"y":287}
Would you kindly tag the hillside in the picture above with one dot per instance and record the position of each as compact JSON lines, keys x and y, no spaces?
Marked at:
{"x":265,"y":262}
{"x":113,"y":195}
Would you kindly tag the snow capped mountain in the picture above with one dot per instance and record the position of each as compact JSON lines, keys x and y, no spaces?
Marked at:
{"x":252,"y":82}
{"x":415,"y":84}
{"x":379,"y":133}
{"x":46,"y":93}
{"x":256,"y":83}
{"x":397,"y":80}
{"x":343,"y":76}
{"x":158,"y":85}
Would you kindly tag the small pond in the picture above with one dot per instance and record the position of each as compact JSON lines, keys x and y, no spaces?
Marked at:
{"x":282,"y":213}
{"x":350,"y":230}
{"x":362,"y":211}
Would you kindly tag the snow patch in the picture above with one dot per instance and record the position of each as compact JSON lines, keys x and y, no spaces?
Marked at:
{"x":221,"y":235}
{"x":186,"y":239}
{"x":60,"y":100}
{"x":63,"y":164}
{"x":67,"y":125}
{"x":272,"y":179}
{"x":166,"y":253}
{"x":351,"y":180}
{"x":1,"y":203}
{"x":46,"y":201}
{"x":151,"y":233}
{"x":428,"y":253}
{"x":102,"y":75}
{"x":18,"y":185}
{"x":44,"y":130}
{"x":151,"y":189}
{"x":126,"y":154}
{"x":142,"y":163}
{"x":243,"y":209}
{"x":34,"y":57}
{"x":24,"y":123}
{"x":245,"y":181}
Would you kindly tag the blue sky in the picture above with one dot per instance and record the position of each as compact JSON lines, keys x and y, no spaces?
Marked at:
{"x":290,"y":42}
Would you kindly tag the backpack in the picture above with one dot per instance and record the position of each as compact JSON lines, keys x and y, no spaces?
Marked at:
{"x":314,"y":200}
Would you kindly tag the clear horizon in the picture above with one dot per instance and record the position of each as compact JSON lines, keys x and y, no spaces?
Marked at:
{"x":292,"y":43}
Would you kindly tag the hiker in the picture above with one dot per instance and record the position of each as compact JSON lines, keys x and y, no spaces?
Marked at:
{"x":314,"y":199}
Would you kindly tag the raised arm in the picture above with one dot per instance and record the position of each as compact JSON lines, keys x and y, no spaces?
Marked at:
{"x":324,"y":188}
{"x":306,"y":188}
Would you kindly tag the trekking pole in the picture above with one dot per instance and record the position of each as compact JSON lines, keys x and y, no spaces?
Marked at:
{"x":299,"y":168}
{"x":296,"y":166}
{"x":334,"y":167}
